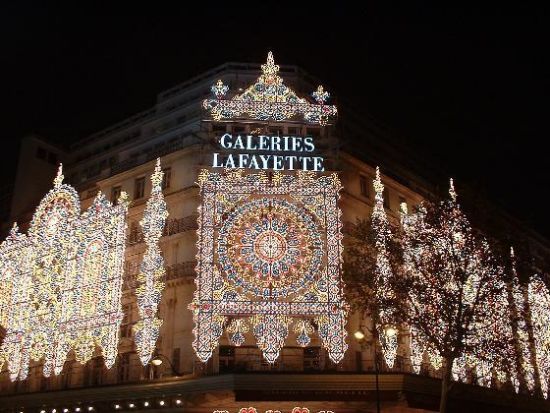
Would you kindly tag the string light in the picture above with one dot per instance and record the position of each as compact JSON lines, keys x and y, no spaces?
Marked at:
{"x":149,"y":291}
{"x":269,"y":98}
{"x":52,"y":276}
{"x":539,"y":304}
{"x":452,"y":275}
{"x":262,"y":261}
{"x":387,"y":332}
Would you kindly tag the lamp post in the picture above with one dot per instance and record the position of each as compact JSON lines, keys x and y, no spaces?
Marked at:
{"x":360,"y":337}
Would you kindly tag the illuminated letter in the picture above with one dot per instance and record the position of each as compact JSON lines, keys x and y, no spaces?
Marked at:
{"x":276,"y":142}
{"x":277,"y":163}
{"x":291,"y":160}
{"x":318,"y":163}
{"x":222,"y":141}
{"x":263,"y":142}
{"x":285,"y":139}
{"x":308,"y":142}
{"x":253,"y":162}
{"x":230,"y":163}
{"x":243,"y":158}
{"x":265,"y":160}
{"x":215,"y":162}
{"x":250,"y":144}
{"x":238,"y":144}
{"x":297,"y":144}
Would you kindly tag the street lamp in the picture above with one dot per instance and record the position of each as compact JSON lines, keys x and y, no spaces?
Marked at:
{"x":156,"y":361}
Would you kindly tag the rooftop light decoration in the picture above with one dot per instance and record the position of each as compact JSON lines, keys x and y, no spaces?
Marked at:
{"x":269,"y":99}
{"x":269,"y":255}
{"x":61,"y":283}
{"x":151,"y":275}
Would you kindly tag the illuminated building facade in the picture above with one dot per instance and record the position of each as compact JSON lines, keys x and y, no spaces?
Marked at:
{"x":265,"y":330}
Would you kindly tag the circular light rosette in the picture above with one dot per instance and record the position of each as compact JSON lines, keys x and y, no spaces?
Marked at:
{"x":270,"y":248}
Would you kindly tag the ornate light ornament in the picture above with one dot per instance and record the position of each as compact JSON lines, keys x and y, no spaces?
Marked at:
{"x":52,"y":279}
{"x":151,"y":276}
{"x":269,"y":252}
{"x":269,"y":98}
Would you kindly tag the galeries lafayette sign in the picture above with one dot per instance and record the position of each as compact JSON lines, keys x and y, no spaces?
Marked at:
{"x":267,"y":152}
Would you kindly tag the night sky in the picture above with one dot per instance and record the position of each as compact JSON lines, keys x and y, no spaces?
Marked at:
{"x":467,"y":89}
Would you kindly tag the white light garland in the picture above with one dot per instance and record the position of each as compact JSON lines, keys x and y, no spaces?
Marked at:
{"x":150,"y":278}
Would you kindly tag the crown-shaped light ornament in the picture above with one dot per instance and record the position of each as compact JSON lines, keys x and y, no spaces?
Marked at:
{"x":269,"y":98}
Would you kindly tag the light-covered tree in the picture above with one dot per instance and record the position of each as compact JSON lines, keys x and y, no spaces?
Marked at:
{"x":452,"y":288}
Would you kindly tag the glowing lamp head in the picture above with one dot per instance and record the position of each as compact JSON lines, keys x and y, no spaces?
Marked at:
{"x":156,"y":361}
{"x":359,"y":335}
{"x":390,"y":331}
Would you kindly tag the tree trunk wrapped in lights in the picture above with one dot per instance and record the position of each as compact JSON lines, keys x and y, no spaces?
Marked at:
{"x":151,"y":276}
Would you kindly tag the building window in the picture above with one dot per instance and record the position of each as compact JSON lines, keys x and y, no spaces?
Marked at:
{"x":115,"y":193}
{"x":387,"y":198}
{"x":364,"y":186}
{"x":139,"y":188}
{"x":52,"y":158}
{"x":176,"y":357}
{"x":124,"y":368}
{"x":226,"y":358}
{"x":41,"y":153}
{"x":293,"y":131}
{"x":166,"y":178}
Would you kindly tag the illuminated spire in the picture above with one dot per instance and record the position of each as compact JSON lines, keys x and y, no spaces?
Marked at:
{"x":59,"y":178}
{"x":270,"y":69}
{"x":452,"y":191}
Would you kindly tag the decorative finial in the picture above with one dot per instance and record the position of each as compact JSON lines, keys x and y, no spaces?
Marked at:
{"x":452,"y":191}
{"x":156,"y":178}
{"x":14,"y":229}
{"x":512,"y":254}
{"x":320,"y":95}
{"x":378,"y":185}
{"x":59,"y":178}
{"x":270,"y":69}
{"x":219,"y":89}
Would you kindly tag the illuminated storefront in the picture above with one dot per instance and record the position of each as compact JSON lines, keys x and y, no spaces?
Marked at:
{"x":237,"y":241}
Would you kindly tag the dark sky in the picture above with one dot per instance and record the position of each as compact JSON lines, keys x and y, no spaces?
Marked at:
{"x":466,"y":87}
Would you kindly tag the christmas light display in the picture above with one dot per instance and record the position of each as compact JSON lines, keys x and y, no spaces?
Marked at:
{"x":269,"y":254}
{"x":269,"y":98}
{"x":387,"y":332}
{"x":457,"y":296}
{"x":149,"y":291}
{"x":62,"y":282}
{"x":539,"y":304}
